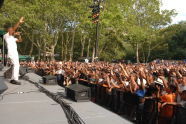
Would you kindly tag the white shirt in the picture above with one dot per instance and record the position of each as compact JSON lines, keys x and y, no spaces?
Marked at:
{"x":86,"y":61}
{"x":139,"y":81}
{"x":60,"y":71}
{"x":11,"y":44}
{"x":183,"y":103}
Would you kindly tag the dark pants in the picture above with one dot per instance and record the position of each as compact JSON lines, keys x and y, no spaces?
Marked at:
{"x":60,"y":79}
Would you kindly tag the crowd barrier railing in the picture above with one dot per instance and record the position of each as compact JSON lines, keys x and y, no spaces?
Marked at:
{"x":126,"y":103}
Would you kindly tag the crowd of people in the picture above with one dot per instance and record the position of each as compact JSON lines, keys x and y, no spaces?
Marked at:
{"x":163,"y":82}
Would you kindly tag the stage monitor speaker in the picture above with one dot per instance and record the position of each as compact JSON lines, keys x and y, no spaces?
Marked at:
{"x":3,"y":87}
{"x":50,"y":80}
{"x":8,"y":73}
{"x":78,"y":92}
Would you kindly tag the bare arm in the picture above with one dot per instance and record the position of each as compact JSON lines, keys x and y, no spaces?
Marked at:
{"x":164,"y":81}
{"x":21,"y":20}
{"x":124,"y":71}
{"x":19,"y":39}
{"x":133,"y":83}
{"x":169,"y":103}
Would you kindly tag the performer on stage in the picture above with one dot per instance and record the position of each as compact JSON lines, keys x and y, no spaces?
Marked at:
{"x":11,"y":37}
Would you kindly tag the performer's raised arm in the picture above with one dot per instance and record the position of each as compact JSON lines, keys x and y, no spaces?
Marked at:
{"x":21,"y":20}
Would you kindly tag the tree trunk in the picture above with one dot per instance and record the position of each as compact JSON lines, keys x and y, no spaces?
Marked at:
{"x":66,"y":47}
{"x":39,"y":54}
{"x":83,"y":46}
{"x":144,"y":56}
{"x":137,"y":53}
{"x":149,"y":52}
{"x":31,"y":49}
{"x":62,"y":47}
{"x":52,"y":53}
{"x":25,"y":48}
{"x":93,"y":53}
{"x":72,"y":45}
{"x":88,"y":47}
{"x":44,"y":52}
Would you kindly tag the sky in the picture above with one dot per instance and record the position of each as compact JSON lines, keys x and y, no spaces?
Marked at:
{"x":179,"y":6}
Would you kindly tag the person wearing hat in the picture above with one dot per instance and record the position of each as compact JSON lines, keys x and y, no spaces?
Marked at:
{"x":166,"y":112}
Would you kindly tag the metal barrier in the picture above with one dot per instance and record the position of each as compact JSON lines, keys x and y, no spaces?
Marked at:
{"x":126,"y":103}
{"x":150,"y":112}
{"x":179,"y":116}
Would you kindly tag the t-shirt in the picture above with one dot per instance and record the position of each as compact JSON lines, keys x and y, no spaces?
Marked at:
{"x":11,"y":44}
{"x":141,"y":93}
{"x":167,"y":111}
{"x":86,"y":61}
{"x":182,"y":87}
{"x":183,"y":103}
{"x":60,"y":71}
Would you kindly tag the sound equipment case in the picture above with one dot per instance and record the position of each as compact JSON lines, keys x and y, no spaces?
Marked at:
{"x":78,"y":92}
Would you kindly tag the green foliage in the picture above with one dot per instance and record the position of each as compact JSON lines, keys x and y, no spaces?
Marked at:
{"x":63,"y":26}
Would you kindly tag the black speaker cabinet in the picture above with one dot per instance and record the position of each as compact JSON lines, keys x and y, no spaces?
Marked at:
{"x":50,"y":80}
{"x":78,"y":92}
{"x":8,"y":73}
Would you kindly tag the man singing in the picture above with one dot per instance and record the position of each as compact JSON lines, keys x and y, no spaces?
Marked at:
{"x":10,"y":38}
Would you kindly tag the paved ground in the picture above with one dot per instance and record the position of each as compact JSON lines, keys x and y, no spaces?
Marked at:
{"x":24,"y":104}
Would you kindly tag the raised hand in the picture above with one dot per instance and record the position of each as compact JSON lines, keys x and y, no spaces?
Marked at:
{"x":162,"y":77}
{"x":21,"y":20}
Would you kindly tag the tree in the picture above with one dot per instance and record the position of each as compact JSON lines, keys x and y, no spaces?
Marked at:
{"x":127,"y":27}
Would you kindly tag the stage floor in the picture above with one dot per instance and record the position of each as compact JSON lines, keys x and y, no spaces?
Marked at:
{"x":25,"y":104}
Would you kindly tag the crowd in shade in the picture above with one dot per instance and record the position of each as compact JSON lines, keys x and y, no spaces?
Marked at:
{"x":159,"y":83}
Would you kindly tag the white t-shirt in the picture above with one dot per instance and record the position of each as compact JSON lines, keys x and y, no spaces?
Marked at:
{"x":139,"y":81}
{"x":11,"y":44}
{"x":86,"y":61}
{"x":60,"y":71}
{"x":183,"y":103}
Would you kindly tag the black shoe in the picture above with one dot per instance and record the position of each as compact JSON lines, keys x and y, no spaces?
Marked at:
{"x":21,"y":77}
{"x":15,"y":82}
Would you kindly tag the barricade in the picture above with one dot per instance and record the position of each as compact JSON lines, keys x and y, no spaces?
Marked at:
{"x":150,"y":112}
{"x":127,"y":103}
{"x":103,"y":94}
{"x":123,"y":102}
{"x":131,"y":102}
{"x":93,"y":92}
{"x":98,"y":94}
{"x":179,"y":116}
{"x":116,"y":99}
